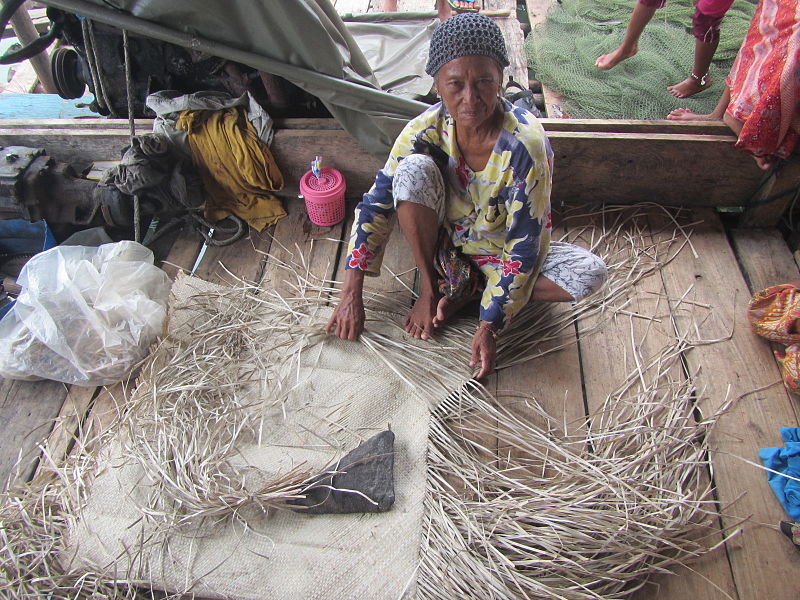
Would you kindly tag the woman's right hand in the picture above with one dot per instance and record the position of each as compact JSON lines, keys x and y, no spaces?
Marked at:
{"x":347,"y":320}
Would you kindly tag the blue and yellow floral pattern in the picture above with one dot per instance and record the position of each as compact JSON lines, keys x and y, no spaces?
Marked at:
{"x":499,"y":217}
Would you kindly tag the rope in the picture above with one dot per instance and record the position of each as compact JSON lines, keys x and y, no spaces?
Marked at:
{"x":128,"y":83}
{"x":137,"y":218}
{"x":137,"y":225}
{"x":87,"y":40}
{"x":99,"y":80}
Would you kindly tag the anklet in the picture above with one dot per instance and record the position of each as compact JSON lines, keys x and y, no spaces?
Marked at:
{"x":700,"y":79}
{"x":492,"y":331}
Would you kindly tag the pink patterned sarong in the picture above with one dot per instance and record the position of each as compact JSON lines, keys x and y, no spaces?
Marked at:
{"x":765,"y":81}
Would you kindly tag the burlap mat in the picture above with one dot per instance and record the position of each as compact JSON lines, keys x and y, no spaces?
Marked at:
{"x":341,"y":395}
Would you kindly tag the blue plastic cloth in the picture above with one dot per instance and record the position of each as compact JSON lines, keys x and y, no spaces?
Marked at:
{"x":18,"y":236}
{"x":785,"y":460}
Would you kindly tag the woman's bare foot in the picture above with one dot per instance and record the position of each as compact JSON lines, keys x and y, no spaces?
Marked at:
{"x":467,"y":5}
{"x":689,"y":86}
{"x":732,"y":122}
{"x":612,"y":59}
{"x":764,"y":162}
{"x":687,"y":114}
{"x":444,"y":10}
{"x":448,"y":307}
{"x":420,"y":321}
{"x":389,"y":5}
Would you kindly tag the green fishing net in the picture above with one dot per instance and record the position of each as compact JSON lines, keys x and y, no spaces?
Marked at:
{"x":562,"y":50}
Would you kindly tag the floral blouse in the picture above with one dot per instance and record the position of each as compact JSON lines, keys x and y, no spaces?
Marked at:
{"x":499,"y":217}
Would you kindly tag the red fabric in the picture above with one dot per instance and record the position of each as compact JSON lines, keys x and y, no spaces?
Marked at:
{"x":706,"y":19}
{"x":705,"y":27}
{"x":654,"y":3}
{"x":713,"y":8}
{"x":765,"y":81}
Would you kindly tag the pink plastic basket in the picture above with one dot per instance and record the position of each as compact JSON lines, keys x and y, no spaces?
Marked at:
{"x":324,"y":196}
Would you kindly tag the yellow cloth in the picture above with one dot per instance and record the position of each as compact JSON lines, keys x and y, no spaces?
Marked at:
{"x":238,"y":170}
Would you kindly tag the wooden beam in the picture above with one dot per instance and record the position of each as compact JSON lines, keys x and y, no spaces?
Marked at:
{"x":537,"y":15}
{"x":596,"y":160}
{"x":574,"y":125}
{"x":27,"y":411}
{"x":512,"y":34}
{"x":741,"y":368}
{"x":67,"y":428}
{"x":297,"y":241}
{"x":768,"y":205}
{"x":635,"y":126}
{"x":26,"y":34}
{"x":554,"y":379}
{"x":691,"y":170}
{"x":765,"y":260}
{"x":40,"y":22}
{"x":764,"y":257}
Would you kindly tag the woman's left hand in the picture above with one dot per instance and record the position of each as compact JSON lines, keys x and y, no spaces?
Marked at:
{"x":484,"y":351}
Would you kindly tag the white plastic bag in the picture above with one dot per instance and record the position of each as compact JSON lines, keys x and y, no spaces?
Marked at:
{"x":85,"y":315}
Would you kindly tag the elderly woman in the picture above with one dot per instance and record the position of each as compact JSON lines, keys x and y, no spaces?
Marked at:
{"x":470,"y":182}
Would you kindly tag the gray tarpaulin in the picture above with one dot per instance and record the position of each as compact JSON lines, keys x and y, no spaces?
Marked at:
{"x":303,"y":38}
{"x":396,"y":46}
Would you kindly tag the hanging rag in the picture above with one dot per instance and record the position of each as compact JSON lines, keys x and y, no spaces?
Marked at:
{"x":785,"y":462}
{"x":772,"y":313}
{"x":169,"y":104}
{"x":154,"y":170}
{"x":238,"y":170}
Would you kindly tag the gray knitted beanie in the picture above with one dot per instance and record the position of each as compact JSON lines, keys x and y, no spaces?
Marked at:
{"x":466,"y":34}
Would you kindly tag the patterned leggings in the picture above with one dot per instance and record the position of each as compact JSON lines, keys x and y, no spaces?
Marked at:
{"x":706,"y":19}
{"x":572,"y":268}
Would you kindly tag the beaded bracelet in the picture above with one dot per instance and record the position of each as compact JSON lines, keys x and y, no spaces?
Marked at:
{"x":492,"y":331}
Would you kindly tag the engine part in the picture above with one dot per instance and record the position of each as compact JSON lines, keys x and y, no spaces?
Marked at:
{"x":68,"y":72}
{"x":34,"y":186}
{"x":99,"y":63}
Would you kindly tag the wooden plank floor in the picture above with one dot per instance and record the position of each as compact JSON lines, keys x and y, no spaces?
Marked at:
{"x":758,"y":563}
{"x":719,"y":270}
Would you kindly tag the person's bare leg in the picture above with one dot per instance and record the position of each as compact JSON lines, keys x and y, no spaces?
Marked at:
{"x":389,"y":5}
{"x":765,"y":163}
{"x":443,"y":10}
{"x":718,"y":114}
{"x":703,"y":53}
{"x":447,"y":307}
{"x":546,"y":290}
{"x":630,"y":44}
{"x":734,"y":123}
{"x":420,"y":226}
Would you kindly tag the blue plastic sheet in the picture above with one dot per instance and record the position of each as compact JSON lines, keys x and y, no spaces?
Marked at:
{"x":18,"y":236}
{"x":786,"y":461}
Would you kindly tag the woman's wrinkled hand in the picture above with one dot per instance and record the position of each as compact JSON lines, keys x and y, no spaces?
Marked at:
{"x":484,"y":351}
{"x":347,"y":320}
